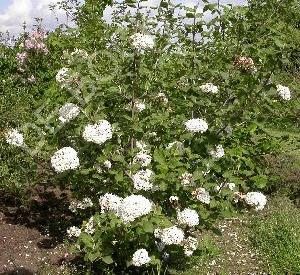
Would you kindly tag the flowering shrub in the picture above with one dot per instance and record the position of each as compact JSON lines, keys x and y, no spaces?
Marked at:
{"x":158,"y":140}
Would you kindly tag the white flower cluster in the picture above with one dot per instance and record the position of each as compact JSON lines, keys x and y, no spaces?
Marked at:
{"x":143,"y":158}
{"x":107,"y":164}
{"x":196,"y":125}
{"x":110,"y":202}
{"x":62,"y":75}
{"x":142,"y":146}
{"x":202,"y":195}
{"x":284,"y":92}
{"x":256,"y":199}
{"x":65,"y":159}
{"x":188,"y":217}
{"x":98,"y":133}
{"x":140,"y":257}
{"x":162,"y":97}
{"x":170,"y":235}
{"x":218,"y":152}
{"x":68,"y":112}
{"x":173,"y":199}
{"x":85,"y":203}
{"x":223,"y":185}
{"x":190,"y":245}
{"x":209,"y":88}
{"x":14,"y":137}
{"x":90,"y":226}
{"x":186,"y":179}
{"x":133,"y":207}
{"x":139,"y":106}
{"x":127,"y":209}
{"x":142,"y":41}
{"x":73,"y":231}
{"x":142,"y":180}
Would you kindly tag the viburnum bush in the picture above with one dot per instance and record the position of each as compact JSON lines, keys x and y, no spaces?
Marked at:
{"x":160,"y":135}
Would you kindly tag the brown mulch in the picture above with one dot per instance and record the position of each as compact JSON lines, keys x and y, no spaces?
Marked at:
{"x":31,"y":237}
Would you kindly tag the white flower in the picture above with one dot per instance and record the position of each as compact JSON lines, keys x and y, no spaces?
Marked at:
{"x":107,"y":164}
{"x":209,"y":88}
{"x":62,"y":75}
{"x":142,"y":41}
{"x":190,"y":245}
{"x":141,"y":145}
{"x":218,"y":152}
{"x":110,"y":202}
{"x":68,"y":112}
{"x":89,"y":226}
{"x":171,"y":235}
{"x":186,"y":179}
{"x":85,"y":203}
{"x":284,"y":92}
{"x":73,"y":206}
{"x":229,"y":185}
{"x":188,"y":217}
{"x":65,"y":159}
{"x":201,"y":195}
{"x":139,"y":106}
{"x":140,"y":257}
{"x":196,"y":125}
{"x":133,"y":207}
{"x":142,"y":158}
{"x":98,"y":133}
{"x":79,"y":53}
{"x":142,"y":180}
{"x":162,"y":97}
{"x":173,"y":199}
{"x":74,"y":231}
{"x":256,"y":199}
{"x":14,"y":137}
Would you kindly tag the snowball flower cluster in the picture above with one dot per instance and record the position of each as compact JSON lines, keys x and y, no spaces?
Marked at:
{"x":62,"y":75}
{"x":107,"y":164}
{"x":142,"y":180}
{"x":284,"y":92}
{"x":186,"y":179}
{"x":245,"y":63}
{"x":196,"y":125}
{"x":142,"y":41}
{"x":140,"y":257}
{"x":139,"y":106}
{"x":133,"y":207}
{"x":68,"y":112}
{"x":209,"y":88}
{"x":173,"y":199}
{"x":14,"y":137}
{"x":170,"y":235}
{"x":188,"y":217}
{"x":110,"y":202}
{"x":98,"y":133}
{"x":74,"y":231}
{"x":22,"y":57}
{"x":256,"y":199}
{"x":162,"y":97}
{"x":143,"y":158}
{"x":202,"y":195}
{"x":218,"y":152}
{"x":78,"y":53}
{"x":65,"y":159}
{"x":190,"y":245}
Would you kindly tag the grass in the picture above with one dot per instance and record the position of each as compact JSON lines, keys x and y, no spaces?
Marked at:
{"x":277,"y":236}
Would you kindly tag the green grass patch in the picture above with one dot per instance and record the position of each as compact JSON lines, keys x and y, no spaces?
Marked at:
{"x":277,"y":236}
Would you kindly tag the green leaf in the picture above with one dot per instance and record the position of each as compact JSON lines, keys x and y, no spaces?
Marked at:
{"x":148,"y":227}
{"x":108,"y":259}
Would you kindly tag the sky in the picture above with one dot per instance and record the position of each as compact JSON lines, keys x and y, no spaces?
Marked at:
{"x":14,"y":12}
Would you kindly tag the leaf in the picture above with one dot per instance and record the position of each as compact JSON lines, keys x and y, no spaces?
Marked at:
{"x":148,"y":227}
{"x":107,"y":259}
